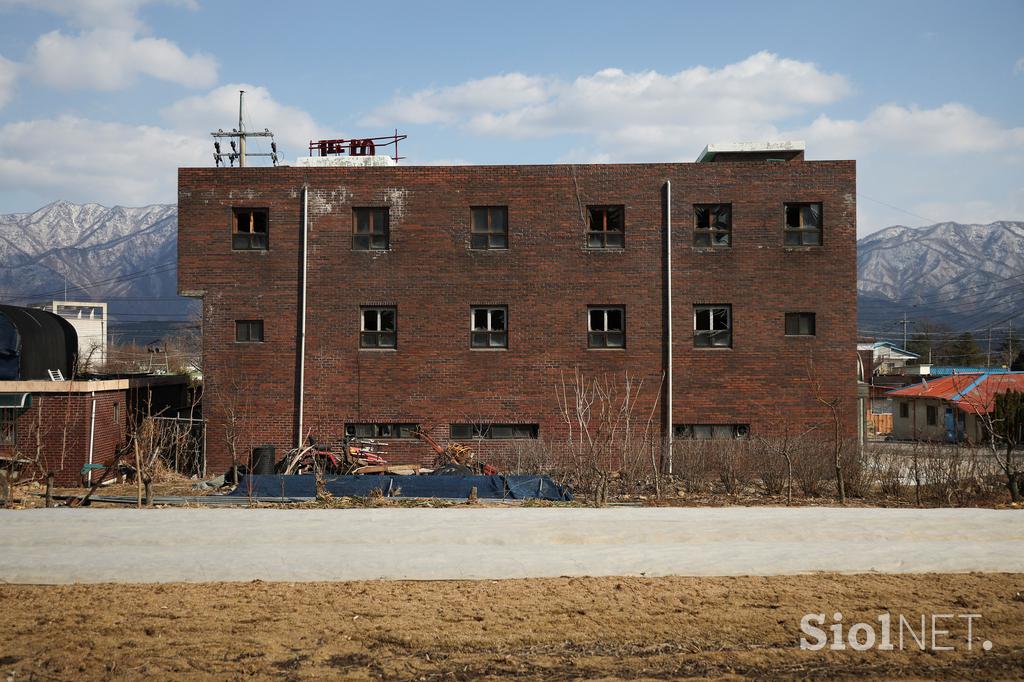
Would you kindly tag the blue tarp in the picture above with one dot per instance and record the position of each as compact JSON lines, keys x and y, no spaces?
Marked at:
{"x":453,"y":487}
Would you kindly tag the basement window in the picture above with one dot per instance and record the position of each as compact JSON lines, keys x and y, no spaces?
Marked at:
{"x":712,"y":326}
{"x":803,"y":225}
{"x":489,"y":227}
{"x":378,"y":328}
{"x":249,"y":331}
{"x":711,"y":431}
{"x":494,"y":431}
{"x":249,"y":230}
{"x":800,"y":324}
{"x":606,"y":327}
{"x":607,"y":227}
{"x":375,"y":430}
{"x":370,"y":231}
{"x":488,"y":327}
{"x":8,"y":427}
{"x":712,"y":225}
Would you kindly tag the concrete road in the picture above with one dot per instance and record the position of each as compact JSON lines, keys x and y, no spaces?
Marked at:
{"x":199,"y":545}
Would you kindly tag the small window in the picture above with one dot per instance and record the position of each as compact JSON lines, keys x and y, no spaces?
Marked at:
{"x":800,"y":324}
{"x":606,"y":327}
{"x":490,"y":227}
{"x":712,"y":326}
{"x":370,"y":229}
{"x":711,"y":431}
{"x":904,"y":409}
{"x":931,"y":415}
{"x":248,"y":331}
{"x":607,"y":227}
{"x":712,"y":225}
{"x":378,"y":328}
{"x":803,"y":225}
{"x":249,"y":230}
{"x":8,"y":427}
{"x":388,"y":430}
{"x":488,"y":327}
{"x":494,"y":431}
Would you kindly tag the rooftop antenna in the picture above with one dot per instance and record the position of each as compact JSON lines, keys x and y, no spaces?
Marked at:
{"x":240,"y":132}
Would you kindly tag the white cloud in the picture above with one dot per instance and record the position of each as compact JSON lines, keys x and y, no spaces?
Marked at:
{"x":111,"y":59}
{"x":293,"y":128}
{"x":86,"y":160}
{"x":952,"y":128}
{"x":1018,"y":68}
{"x":115,"y":14}
{"x":8,"y":76}
{"x":114,"y":163}
{"x":633,"y":114}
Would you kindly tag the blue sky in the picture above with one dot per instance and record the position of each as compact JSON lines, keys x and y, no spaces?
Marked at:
{"x":101,"y":100}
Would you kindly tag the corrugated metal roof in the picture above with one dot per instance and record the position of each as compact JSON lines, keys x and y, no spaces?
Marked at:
{"x":969,"y":392}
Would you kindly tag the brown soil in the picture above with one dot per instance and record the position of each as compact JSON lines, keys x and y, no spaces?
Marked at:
{"x":603,"y":628}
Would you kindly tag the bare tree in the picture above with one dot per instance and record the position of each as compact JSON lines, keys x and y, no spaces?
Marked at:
{"x":833,"y":403}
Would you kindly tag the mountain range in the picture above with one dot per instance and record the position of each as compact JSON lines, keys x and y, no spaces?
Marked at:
{"x":956,"y":275}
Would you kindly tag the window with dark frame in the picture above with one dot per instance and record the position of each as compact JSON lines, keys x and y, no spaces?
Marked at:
{"x":249,"y":331}
{"x":370,"y":231}
{"x":803,"y":225}
{"x":250,"y":229}
{"x":493,"y":431}
{"x":488,"y":327}
{"x":8,"y":427}
{"x":711,"y":431}
{"x":378,"y":328}
{"x":931,"y":415}
{"x":712,"y":326}
{"x":904,"y":409}
{"x":800,"y":324}
{"x":607,"y":227}
{"x":712,"y":225}
{"x":606,"y":327}
{"x":381,"y":430}
{"x":489,"y":228}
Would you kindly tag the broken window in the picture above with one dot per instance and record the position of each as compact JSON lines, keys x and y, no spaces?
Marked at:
{"x":607,"y":227}
{"x":494,"y":431}
{"x":490,"y":227}
{"x":377,"y":430}
{"x":711,"y":431}
{"x":488,"y":327}
{"x":370,"y":229}
{"x":248,"y":330}
{"x":606,"y":327}
{"x":800,"y":324}
{"x":713,"y":225}
{"x":803,"y":225}
{"x":249,"y":230}
{"x":378,"y":328}
{"x":931,"y":415}
{"x":712,"y":326}
{"x":8,"y":427}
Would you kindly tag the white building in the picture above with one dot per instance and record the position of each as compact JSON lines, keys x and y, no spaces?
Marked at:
{"x":90,"y":322}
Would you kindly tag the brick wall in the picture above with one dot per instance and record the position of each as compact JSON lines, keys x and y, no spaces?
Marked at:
{"x":62,"y":422}
{"x":546,"y":278}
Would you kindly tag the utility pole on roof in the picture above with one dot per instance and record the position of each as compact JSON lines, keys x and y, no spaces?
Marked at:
{"x":241,"y":131}
{"x":239,"y":152}
{"x":988,"y":355}
{"x":904,"y":330}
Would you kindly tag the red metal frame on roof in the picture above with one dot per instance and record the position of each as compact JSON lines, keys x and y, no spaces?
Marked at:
{"x":365,"y":146}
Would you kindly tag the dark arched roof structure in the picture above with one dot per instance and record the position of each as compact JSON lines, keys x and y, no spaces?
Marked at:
{"x":34,"y":341}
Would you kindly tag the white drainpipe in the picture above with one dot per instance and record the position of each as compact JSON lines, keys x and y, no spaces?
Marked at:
{"x":668,"y":313}
{"x":92,"y":435}
{"x":302,"y":323}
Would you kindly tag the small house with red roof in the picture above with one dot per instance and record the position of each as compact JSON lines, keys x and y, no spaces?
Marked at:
{"x":947,"y":409}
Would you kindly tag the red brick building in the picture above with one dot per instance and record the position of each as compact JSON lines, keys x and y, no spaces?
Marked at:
{"x":457,"y":298}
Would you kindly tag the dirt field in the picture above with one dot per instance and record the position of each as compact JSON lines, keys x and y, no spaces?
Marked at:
{"x":603,"y":628}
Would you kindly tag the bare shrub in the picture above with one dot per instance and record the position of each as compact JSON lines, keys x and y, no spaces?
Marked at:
{"x":692,"y":462}
{"x":812,"y":466}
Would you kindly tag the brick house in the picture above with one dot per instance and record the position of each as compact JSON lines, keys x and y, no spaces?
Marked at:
{"x":458,"y":298}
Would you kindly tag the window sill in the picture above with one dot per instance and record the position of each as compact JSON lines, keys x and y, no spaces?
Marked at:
{"x":379,"y":350}
{"x":234,"y":250}
{"x":801,"y":248}
{"x":249,"y":343}
{"x":489,"y":349}
{"x":372,"y":250}
{"x":615,"y":249}
{"x":801,"y":336}
{"x":711,"y":249}
{"x":607,"y":348}
{"x":486,"y":250}
{"x":706,"y":348}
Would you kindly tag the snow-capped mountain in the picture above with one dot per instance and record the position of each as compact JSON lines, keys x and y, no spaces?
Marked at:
{"x":965,"y":276}
{"x":124,"y":256}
